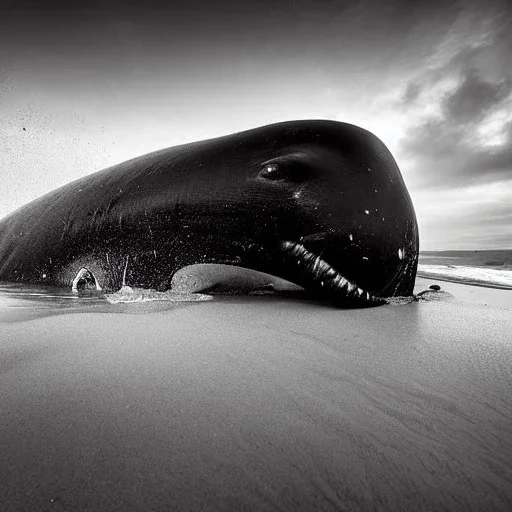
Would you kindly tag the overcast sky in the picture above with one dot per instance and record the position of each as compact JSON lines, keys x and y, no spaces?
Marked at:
{"x":84,"y":85}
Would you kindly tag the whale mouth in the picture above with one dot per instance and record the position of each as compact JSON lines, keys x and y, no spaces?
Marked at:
{"x":327,"y":281}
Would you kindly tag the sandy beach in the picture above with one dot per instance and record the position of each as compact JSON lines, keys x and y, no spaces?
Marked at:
{"x":260,"y":403}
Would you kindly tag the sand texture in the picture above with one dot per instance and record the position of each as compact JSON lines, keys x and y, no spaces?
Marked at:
{"x":260,"y":403}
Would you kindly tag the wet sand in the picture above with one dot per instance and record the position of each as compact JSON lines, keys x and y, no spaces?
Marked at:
{"x":260,"y":403}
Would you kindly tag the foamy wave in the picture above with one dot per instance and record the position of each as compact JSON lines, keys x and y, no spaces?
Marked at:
{"x":470,"y":275}
{"x":129,"y":294}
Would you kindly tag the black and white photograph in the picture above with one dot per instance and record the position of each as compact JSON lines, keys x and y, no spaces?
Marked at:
{"x":256,"y":255}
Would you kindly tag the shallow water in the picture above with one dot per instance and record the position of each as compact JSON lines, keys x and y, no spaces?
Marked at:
{"x":19,"y":302}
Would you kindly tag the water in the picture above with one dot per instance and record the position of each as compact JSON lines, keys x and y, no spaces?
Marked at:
{"x":481,"y":268}
{"x":21,"y":302}
{"x":498,"y":259}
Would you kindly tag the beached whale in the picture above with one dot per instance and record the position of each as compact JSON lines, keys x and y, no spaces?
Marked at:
{"x":319,"y":203}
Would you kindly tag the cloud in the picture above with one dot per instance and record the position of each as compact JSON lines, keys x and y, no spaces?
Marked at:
{"x":459,"y":109}
{"x":449,"y":124}
{"x":474,"y":98}
{"x":473,"y":217}
{"x":412,"y":92}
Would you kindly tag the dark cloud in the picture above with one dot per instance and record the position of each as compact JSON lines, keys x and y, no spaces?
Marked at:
{"x":474,"y":98}
{"x":433,"y":138}
{"x":446,"y":157}
{"x":412,"y":91}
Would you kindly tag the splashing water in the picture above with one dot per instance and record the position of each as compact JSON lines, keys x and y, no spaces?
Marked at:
{"x":129,"y":294}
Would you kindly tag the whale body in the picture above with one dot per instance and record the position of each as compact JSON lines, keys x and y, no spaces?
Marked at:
{"x":319,"y":203}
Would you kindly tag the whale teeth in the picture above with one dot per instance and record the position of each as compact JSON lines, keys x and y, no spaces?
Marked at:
{"x":317,"y":264}
{"x":326,"y":276}
{"x":331,"y":272}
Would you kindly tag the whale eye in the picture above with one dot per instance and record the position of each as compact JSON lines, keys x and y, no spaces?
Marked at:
{"x":271,"y":172}
{"x":285,"y":169}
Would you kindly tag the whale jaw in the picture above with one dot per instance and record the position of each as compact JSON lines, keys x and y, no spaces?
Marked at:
{"x":319,"y":276}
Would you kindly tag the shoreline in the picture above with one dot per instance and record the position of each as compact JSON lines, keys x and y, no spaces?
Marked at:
{"x":468,"y":293}
{"x":464,"y":281}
